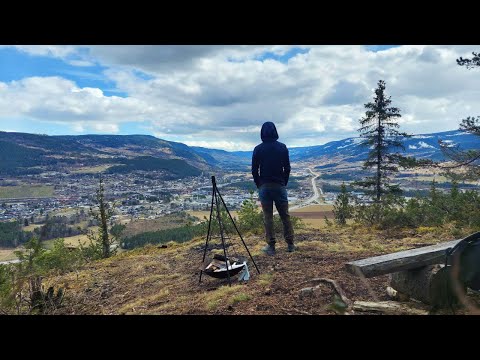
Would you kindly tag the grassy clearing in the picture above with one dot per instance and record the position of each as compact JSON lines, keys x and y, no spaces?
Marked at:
{"x":25,"y":191}
{"x":313,"y":208}
{"x":92,"y":169}
{"x":318,"y":221}
{"x":71,"y":240}
{"x":214,"y":298}
{"x":356,"y":239}
{"x":239,"y":298}
{"x":201,"y":214}
{"x":265,"y":279}
{"x":7,"y":254}
{"x":156,"y":277}
{"x":151,"y":225}
{"x":150,"y":280}
{"x":143,"y":303}
{"x":314,"y":223}
{"x":31,"y":227}
{"x":65,"y":211}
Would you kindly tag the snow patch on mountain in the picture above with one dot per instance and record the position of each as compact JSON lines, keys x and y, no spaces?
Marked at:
{"x":449,"y":143}
{"x":424,"y":145}
{"x":456,"y":134}
{"x":421,"y":137}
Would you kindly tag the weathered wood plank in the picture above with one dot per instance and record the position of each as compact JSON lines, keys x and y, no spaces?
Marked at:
{"x":400,"y":261}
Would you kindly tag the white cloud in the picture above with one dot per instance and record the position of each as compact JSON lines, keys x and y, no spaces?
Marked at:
{"x":78,"y":127}
{"x":222,"y":94}
{"x":57,"y":51}
{"x":54,"y":99}
{"x":81,"y":63}
{"x":108,"y":128}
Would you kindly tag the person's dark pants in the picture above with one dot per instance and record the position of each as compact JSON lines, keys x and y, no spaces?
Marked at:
{"x":275,"y":193}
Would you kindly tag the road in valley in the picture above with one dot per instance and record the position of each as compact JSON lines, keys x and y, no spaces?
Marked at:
{"x":315,"y":197}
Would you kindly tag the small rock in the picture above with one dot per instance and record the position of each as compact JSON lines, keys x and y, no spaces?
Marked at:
{"x":268,"y":291}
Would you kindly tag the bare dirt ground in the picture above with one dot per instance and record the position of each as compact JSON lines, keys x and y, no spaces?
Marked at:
{"x":155,"y":280}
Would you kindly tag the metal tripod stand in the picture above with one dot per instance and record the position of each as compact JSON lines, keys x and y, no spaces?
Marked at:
{"x":215,"y":200}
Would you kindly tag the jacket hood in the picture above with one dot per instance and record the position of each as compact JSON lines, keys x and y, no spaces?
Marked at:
{"x":269,"y":132}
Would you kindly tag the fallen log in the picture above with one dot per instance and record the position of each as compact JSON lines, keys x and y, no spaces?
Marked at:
{"x":388,"y":308}
{"x":429,"y":284}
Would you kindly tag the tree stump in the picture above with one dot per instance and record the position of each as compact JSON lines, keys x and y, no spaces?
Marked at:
{"x":429,"y":284}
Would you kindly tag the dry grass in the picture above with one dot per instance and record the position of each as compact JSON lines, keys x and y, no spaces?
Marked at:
{"x":149,"y":225}
{"x":156,"y":277}
{"x":201,"y":214}
{"x":71,"y":240}
{"x":223,"y":294}
{"x":91,"y":169}
{"x":7,"y":254}
{"x":26,"y":191}
{"x":31,"y":227}
{"x":239,"y":298}
{"x":143,"y":303}
{"x":314,"y":223}
{"x":313,"y":208}
{"x":265,"y":279}
{"x":313,"y":216}
{"x":153,"y":280}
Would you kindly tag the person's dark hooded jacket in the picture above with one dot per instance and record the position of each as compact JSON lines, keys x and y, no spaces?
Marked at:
{"x":271,"y":158}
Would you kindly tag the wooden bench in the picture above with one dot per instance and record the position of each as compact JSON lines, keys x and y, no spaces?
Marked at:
{"x":418,"y":273}
{"x":401,"y":261}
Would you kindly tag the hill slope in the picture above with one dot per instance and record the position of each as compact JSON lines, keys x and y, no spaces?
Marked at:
{"x":154,"y":280}
{"x":22,"y":153}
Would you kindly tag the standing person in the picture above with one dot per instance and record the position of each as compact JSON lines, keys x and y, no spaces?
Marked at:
{"x":272,"y":159}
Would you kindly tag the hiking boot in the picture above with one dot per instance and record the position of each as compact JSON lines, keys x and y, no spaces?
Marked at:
{"x":291,"y":248}
{"x":269,"y":249}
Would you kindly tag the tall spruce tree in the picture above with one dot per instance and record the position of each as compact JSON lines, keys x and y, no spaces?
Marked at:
{"x":101,"y":242}
{"x":380,"y":134}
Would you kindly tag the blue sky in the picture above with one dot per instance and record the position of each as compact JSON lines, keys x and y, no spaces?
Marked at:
{"x":194,"y":93}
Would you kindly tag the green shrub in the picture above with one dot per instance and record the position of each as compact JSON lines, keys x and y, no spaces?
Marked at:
{"x":343,"y":209}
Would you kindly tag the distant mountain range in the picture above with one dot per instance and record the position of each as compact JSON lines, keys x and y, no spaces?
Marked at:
{"x":424,"y":146}
{"x":22,"y":153}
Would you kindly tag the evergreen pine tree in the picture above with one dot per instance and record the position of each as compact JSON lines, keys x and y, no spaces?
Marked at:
{"x":380,"y":134}
{"x":342,"y":208}
{"x":101,"y":243}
